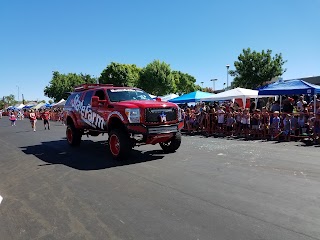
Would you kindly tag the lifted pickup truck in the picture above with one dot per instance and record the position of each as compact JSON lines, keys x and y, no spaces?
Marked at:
{"x":128,"y":115}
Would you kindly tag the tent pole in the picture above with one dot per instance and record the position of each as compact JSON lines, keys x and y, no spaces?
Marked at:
{"x":280,"y":102}
{"x":314,"y":103}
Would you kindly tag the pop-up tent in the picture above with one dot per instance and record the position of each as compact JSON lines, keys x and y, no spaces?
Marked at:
{"x":61,"y":103}
{"x":39,"y":105}
{"x":168,"y":97}
{"x":191,"y":97}
{"x":20,"y":106}
{"x":289,"y":87}
{"x":232,"y":94}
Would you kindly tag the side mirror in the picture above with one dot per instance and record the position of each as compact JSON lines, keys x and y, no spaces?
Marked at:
{"x":158,"y":99}
{"x":95,"y":101}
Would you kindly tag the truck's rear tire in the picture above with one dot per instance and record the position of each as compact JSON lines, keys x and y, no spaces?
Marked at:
{"x":73,"y":135}
{"x":173,"y":144}
{"x":119,"y":144}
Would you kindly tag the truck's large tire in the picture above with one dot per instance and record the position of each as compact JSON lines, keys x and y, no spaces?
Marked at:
{"x":173,"y":144}
{"x":119,"y":144}
{"x":73,"y":135}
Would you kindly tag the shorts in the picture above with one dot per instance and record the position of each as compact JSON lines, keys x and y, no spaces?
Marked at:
{"x":12,"y":121}
{"x":33,"y":121}
{"x":45,"y":121}
{"x":229,"y":128}
{"x":255,"y":127}
{"x":245,"y":126}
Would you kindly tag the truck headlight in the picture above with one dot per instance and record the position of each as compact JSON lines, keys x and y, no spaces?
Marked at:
{"x":133,"y":115}
{"x":180,"y":114}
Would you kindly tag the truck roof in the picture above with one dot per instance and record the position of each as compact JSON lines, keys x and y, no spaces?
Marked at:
{"x":87,"y":86}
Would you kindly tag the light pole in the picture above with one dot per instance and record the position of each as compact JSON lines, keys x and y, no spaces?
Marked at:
{"x":214,"y":81}
{"x":18,"y":91}
{"x":202,"y":83}
{"x":227,"y":74}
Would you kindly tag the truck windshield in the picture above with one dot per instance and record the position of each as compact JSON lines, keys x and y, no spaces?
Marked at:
{"x":121,"y":94}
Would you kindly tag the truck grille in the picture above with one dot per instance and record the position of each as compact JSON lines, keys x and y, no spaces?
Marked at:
{"x":153,"y":115}
{"x":163,"y":129}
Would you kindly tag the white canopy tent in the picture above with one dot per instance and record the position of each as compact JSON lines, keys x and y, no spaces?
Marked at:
{"x":168,"y":97}
{"x":235,"y":93}
{"x":61,"y":103}
{"x":20,"y":106}
{"x":38,"y":106}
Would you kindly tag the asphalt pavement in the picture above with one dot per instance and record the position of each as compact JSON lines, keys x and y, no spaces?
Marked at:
{"x":211,"y":188}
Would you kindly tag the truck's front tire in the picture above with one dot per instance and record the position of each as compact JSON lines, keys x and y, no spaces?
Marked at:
{"x":173,"y":144}
{"x":73,"y":135}
{"x":119,"y":144}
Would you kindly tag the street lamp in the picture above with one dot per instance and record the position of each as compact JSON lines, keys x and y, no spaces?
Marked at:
{"x":213,"y":81}
{"x":202,"y":83}
{"x":227,"y":74}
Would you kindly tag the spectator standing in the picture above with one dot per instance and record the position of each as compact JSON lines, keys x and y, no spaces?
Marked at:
{"x":12,"y":119}
{"x":275,"y":107}
{"x":287,"y":127}
{"x":300,"y":104}
{"x":46,"y":116}
{"x":33,"y":119}
{"x":287,"y":106}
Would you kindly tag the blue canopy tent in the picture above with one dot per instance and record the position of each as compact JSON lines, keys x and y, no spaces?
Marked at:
{"x":290,"y":87}
{"x":191,"y":97}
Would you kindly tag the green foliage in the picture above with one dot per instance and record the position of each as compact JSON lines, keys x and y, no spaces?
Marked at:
{"x":50,"y":101}
{"x":7,"y":101}
{"x":61,"y":84}
{"x":120,"y":74}
{"x":207,"y":89}
{"x":184,"y":82}
{"x":156,"y":78}
{"x":253,"y":69}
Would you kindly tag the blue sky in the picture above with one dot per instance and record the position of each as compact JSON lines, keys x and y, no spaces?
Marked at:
{"x":197,"y":37}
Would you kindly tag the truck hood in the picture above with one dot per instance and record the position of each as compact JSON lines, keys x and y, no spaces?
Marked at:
{"x":144,"y":104}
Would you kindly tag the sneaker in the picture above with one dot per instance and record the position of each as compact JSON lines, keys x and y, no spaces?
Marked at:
{"x":34,"y":130}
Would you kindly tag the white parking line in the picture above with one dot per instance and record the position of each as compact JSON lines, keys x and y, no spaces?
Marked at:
{"x":1,"y":199}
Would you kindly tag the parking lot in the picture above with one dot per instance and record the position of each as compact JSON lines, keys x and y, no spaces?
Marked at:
{"x":211,"y":188}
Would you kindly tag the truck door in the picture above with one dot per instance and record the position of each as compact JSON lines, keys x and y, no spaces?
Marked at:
{"x":85,"y":119}
{"x":101,"y":110}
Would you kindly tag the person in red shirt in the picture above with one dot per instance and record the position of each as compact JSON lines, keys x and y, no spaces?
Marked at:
{"x":33,"y":119}
{"x":46,"y":116}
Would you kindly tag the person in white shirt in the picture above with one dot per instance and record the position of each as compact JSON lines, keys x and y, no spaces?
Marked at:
{"x":300,"y":104}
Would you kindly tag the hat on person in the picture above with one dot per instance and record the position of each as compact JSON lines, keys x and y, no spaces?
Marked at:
{"x":276,"y":111}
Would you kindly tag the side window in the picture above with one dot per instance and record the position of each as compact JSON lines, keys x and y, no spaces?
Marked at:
{"x":100,"y":93}
{"x":87,"y":98}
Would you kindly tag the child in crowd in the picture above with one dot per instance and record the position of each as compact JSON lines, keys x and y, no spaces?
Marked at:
{"x":213,"y":120}
{"x":316,"y":127}
{"x":220,"y":114}
{"x":302,"y":124}
{"x":245,"y":122}
{"x":294,"y":125}
{"x":255,"y":122}
{"x":238,"y":121}
{"x":275,"y":125}
{"x":287,"y":127}
{"x":12,"y":119}
{"x":33,"y":119}
{"x":265,"y":122}
{"x":230,"y":122}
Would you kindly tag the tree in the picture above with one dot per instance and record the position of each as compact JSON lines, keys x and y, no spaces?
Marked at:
{"x":156,"y":78}
{"x":253,"y":69}
{"x":50,"y":101}
{"x":184,"y":82}
{"x":120,"y":74}
{"x":207,"y":89}
{"x":61,"y":84}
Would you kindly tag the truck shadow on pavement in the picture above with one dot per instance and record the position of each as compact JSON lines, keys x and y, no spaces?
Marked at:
{"x":88,"y":156}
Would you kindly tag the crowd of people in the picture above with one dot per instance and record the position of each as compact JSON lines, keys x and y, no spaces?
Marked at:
{"x":294,"y":119}
{"x":44,"y":114}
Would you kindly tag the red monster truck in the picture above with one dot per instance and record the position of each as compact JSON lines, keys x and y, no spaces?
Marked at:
{"x":129,"y":116}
